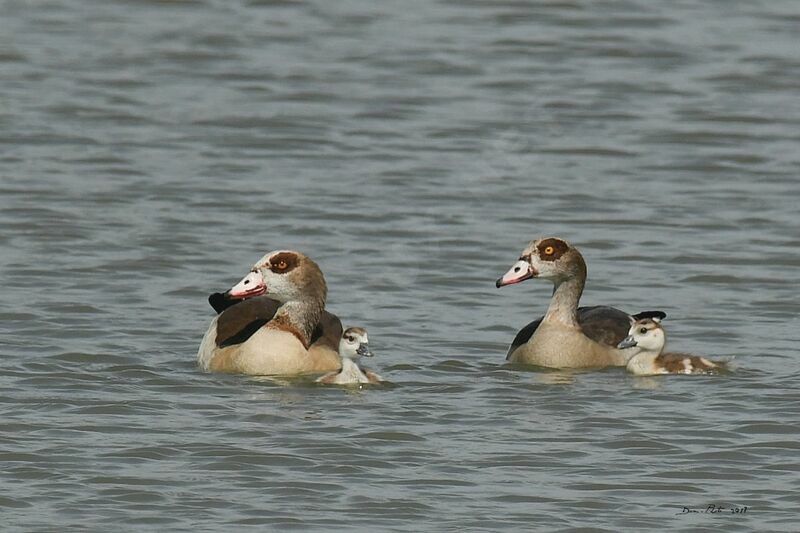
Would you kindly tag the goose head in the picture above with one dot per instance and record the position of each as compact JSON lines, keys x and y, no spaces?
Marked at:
{"x":354,"y":343}
{"x":284,"y":275}
{"x":646,"y":334}
{"x":548,"y":258}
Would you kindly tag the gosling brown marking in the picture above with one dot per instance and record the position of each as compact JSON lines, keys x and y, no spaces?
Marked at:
{"x":354,"y":330}
{"x":552,"y":249}
{"x":328,"y":379}
{"x":707,"y":363}
{"x":374,"y":378}
{"x":683,"y":363}
{"x":647,"y":324}
{"x":283,"y":262}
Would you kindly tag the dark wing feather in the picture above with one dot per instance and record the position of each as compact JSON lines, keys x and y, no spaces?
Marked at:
{"x":603,"y":324}
{"x":328,"y":331}
{"x":242,"y":335}
{"x":239,"y":321}
{"x":220,"y":302}
{"x":523,"y":336}
{"x":661,"y":315}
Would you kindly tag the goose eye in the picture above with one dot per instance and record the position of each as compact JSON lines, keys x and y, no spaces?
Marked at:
{"x":549,"y":250}
{"x":642,"y":330}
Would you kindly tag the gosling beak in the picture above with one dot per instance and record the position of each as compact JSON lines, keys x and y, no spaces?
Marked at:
{"x":363,"y":350}
{"x":519,"y":271}
{"x":627,"y":342}
{"x":251,"y":285}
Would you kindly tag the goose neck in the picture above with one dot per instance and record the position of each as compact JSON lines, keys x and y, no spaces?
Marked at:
{"x":563,"y":307}
{"x":300,"y":318}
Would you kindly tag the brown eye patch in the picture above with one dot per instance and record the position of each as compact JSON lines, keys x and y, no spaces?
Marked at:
{"x":283,"y":262}
{"x":551,"y":249}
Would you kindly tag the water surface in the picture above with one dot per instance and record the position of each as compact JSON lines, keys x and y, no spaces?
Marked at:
{"x":151,"y":151}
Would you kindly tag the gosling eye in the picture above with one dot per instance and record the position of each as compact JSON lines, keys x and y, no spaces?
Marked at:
{"x":642,"y":330}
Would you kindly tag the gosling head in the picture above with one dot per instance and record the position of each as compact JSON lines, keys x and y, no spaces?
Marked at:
{"x":354,"y":343}
{"x":646,"y":334}
{"x":548,"y":258}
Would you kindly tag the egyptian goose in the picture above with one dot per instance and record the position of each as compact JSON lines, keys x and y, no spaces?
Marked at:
{"x":273,"y":322}
{"x":567,"y":336}
{"x":353,"y":345}
{"x":645,"y":344}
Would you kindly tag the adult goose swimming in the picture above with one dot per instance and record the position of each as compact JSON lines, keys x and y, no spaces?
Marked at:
{"x":567,"y":336}
{"x":273,"y":322}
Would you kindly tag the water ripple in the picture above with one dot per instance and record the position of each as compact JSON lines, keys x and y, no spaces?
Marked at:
{"x":153,"y":151}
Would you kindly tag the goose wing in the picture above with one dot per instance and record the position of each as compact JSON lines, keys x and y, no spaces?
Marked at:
{"x":328,"y":332}
{"x":603,"y":324}
{"x":523,"y":336}
{"x":239,"y":320}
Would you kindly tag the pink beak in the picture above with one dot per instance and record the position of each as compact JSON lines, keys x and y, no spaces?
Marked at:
{"x":519,"y":271}
{"x":251,"y":285}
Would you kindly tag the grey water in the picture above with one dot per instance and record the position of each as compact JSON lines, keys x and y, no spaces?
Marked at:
{"x":152,"y":150}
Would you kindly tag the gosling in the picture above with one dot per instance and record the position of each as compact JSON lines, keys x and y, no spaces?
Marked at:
{"x":353,"y":345}
{"x":645,"y":343}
